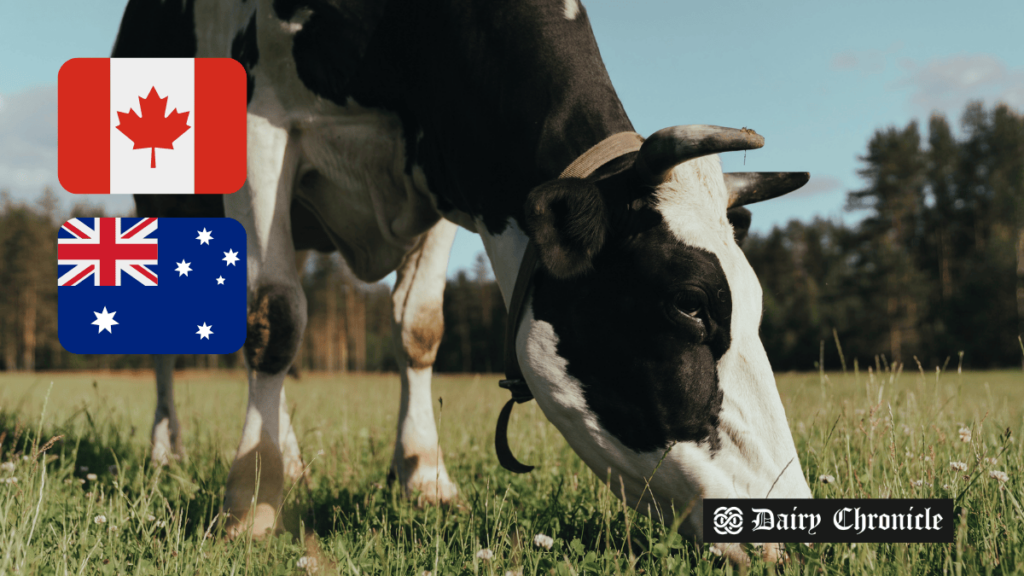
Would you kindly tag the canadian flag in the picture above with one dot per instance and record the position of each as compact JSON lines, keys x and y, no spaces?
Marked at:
{"x":151,"y":125}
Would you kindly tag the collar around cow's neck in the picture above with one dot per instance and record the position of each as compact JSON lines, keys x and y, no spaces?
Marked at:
{"x":598,"y":155}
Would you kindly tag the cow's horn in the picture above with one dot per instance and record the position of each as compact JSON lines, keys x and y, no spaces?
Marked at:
{"x":749,"y":187}
{"x":669,"y":147}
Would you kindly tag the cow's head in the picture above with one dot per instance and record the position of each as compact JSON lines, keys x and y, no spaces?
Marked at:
{"x":641,"y":344}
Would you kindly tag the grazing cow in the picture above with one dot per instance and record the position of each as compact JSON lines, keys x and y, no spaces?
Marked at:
{"x":373,"y":126}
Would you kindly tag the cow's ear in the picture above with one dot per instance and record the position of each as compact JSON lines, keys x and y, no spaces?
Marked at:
{"x":739,"y":217}
{"x":568,"y":220}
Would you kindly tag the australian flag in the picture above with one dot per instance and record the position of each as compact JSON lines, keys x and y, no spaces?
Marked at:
{"x":151,"y":285}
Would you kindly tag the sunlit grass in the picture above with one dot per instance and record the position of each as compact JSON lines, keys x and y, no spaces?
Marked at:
{"x":97,"y":507}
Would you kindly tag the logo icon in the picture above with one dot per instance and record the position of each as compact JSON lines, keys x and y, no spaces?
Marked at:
{"x":728,"y":520}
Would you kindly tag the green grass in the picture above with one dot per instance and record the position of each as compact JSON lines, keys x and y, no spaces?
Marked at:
{"x":354,"y":523}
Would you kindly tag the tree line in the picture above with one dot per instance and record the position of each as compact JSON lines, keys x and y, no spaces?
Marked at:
{"x":934,"y":269}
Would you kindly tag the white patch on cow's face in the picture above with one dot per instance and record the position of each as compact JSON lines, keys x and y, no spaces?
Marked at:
{"x":756,"y":437}
{"x":571,"y":9}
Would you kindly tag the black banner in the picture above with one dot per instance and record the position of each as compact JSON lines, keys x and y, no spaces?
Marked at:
{"x":845,"y":520}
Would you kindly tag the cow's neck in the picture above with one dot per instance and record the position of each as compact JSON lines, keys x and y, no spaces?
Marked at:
{"x":507,"y":95}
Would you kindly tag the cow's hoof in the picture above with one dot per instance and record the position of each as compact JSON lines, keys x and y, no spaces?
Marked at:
{"x":428,"y":485}
{"x":770,"y":553}
{"x":263,"y":520}
{"x":433,"y":490}
{"x":774,"y":553}
{"x":244,"y":509}
{"x":166,"y":443}
{"x":163,"y":455}
{"x":293,"y":468}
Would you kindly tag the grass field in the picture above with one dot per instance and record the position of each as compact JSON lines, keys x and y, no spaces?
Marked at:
{"x":877,"y":434}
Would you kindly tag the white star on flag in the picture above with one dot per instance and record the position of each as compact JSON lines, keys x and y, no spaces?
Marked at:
{"x":204,"y":331}
{"x":230,"y":257}
{"x":204,"y":236}
{"x":183,"y":268}
{"x":220,"y":280}
{"x":105,"y":320}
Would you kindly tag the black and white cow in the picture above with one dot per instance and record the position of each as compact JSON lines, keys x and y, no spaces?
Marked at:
{"x":375,"y":126}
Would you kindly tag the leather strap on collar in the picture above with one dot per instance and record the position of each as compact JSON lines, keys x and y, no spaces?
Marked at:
{"x":600,"y":154}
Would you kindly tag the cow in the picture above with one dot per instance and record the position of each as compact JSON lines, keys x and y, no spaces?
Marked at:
{"x":375,"y":128}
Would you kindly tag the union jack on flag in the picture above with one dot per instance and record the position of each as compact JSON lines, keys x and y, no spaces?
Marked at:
{"x":95,"y":251}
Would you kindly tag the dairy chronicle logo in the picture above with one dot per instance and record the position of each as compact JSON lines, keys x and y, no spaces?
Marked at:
{"x":728,"y":520}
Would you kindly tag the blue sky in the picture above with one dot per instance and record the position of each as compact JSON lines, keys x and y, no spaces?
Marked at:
{"x":815,"y":78}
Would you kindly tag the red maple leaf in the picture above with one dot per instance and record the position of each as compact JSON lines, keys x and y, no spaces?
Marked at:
{"x":152,"y":129}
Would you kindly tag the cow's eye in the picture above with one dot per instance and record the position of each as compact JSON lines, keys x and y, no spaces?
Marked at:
{"x":691,"y":303}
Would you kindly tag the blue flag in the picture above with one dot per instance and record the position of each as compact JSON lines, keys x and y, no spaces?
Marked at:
{"x":151,"y":285}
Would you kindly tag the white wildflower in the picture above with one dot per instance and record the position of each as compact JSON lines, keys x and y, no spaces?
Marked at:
{"x":150,"y":517}
{"x":962,"y":466}
{"x":81,"y":481}
{"x":320,"y":452}
{"x":909,"y":454}
{"x":161,"y":523}
{"x":83,"y":468}
{"x":992,"y":461}
{"x":307,"y":563}
{"x":543,"y":541}
{"x":485,"y":554}
{"x":715,"y":550}
{"x":26,"y":458}
{"x":826,"y":478}
{"x":513,"y":573}
{"x":907,"y":429}
{"x":965,"y":434}
{"x":91,"y":477}
{"x":917,"y":483}
{"x":998,"y":475}
{"x":927,"y":458}
{"x":947,"y":487}
{"x":425,"y":573}
{"x":7,"y":466}
{"x":112,"y":528}
{"x":11,"y":480}
{"x":67,"y":481}
{"x":101,"y":519}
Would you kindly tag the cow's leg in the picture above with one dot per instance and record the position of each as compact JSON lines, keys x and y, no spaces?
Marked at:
{"x":166,"y":437}
{"x":294,"y":468}
{"x":276,"y":321}
{"x":418,"y":325}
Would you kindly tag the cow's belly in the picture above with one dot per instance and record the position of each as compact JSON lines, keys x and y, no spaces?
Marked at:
{"x":352,"y":179}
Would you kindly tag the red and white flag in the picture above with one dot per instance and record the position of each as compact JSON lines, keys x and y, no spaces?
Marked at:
{"x":151,"y":125}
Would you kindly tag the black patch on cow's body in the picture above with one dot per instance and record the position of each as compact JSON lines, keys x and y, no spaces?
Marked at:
{"x":245,"y":50}
{"x":157,"y":29}
{"x":648,"y":371}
